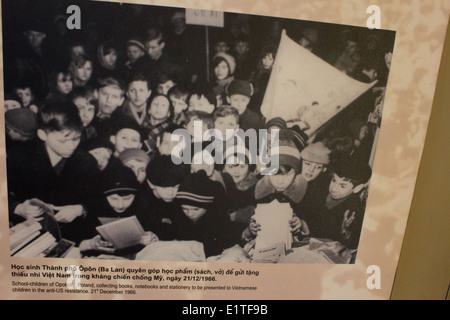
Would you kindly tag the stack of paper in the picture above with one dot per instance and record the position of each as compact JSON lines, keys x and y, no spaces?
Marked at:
{"x":22,"y":233}
{"x":275,"y":236}
{"x":38,"y":247}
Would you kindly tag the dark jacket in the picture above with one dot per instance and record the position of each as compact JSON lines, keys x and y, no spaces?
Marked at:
{"x":31,"y":175}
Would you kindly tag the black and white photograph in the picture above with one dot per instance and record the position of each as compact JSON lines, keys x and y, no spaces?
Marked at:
{"x":153,"y":133}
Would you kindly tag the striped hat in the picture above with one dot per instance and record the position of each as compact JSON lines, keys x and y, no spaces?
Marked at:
{"x":289,"y":156}
{"x":196,"y":190}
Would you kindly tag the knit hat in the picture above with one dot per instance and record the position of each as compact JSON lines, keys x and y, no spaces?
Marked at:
{"x":21,"y":120}
{"x":98,"y":142}
{"x":229,"y":60}
{"x":356,"y":170}
{"x":242,"y":87}
{"x":129,"y":154}
{"x":289,"y":156}
{"x":196,"y":190}
{"x":136,"y":43}
{"x":120,"y":179}
{"x":300,"y":138}
{"x":162,"y":172}
{"x":277,"y":122}
{"x":316,"y":152}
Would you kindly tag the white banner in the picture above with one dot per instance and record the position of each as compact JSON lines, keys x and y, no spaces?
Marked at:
{"x":205,"y":18}
{"x":306,"y":90}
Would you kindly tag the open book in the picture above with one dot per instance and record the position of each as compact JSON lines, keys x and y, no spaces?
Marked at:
{"x":122,"y":233}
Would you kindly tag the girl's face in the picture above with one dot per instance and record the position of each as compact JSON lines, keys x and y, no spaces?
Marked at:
{"x":134,"y":53}
{"x":282,"y":181}
{"x":110,"y":59}
{"x":237,"y":171}
{"x":222,"y":71}
{"x":86,"y":110}
{"x":64,"y":83}
{"x":267,"y":61}
{"x":120,"y":203}
{"x":193,"y":213}
{"x":159,"y":108}
{"x":84,"y":73}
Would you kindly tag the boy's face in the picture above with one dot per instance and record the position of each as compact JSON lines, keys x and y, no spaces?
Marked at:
{"x":63,"y":143}
{"x":119,"y":203}
{"x":311,"y":170}
{"x":102,"y":155}
{"x":190,"y":126}
{"x":139,"y":168}
{"x":241,"y":47}
{"x":64,"y":83}
{"x":222,"y":46}
{"x":86,"y":110}
{"x":35,"y":38}
{"x":163,"y":88}
{"x":77,"y":51}
{"x":126,"y":139}
{"x":166,"y":144}
{"x":138,"y":93}
{"x":193,"y":213}
{"x":155,"y":49}
{"x":224,"y":123}
{"x":25,"y":95}
{"x":282,"y":181}
{"x":197,"y":103}
{"x":340,"y":188}
{"x":109,"y":99}
{"x":167,"y":194}
{"x":159,"y":108}
{"x":222,"y":71}
{"x":237,"y":171}
{"x":240,"y":102}
{"x":84,"y":73}
{"x":179,"y":104}
{"x":12,"y":104}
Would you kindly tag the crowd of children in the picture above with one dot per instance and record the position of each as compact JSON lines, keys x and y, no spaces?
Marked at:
{"x":90,"y":133}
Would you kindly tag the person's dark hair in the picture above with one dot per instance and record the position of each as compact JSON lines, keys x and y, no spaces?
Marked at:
{"x":59,"y":116}
{"x":203,"y":89}
{"x":154,"y":34}
{"x":139,"y":77}
{"x":178,"y":91}
{"x":202,"y":116}
{"x":53,"y":78}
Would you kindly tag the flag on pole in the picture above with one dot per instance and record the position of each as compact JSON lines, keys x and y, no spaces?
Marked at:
{"x":303,"y":89}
